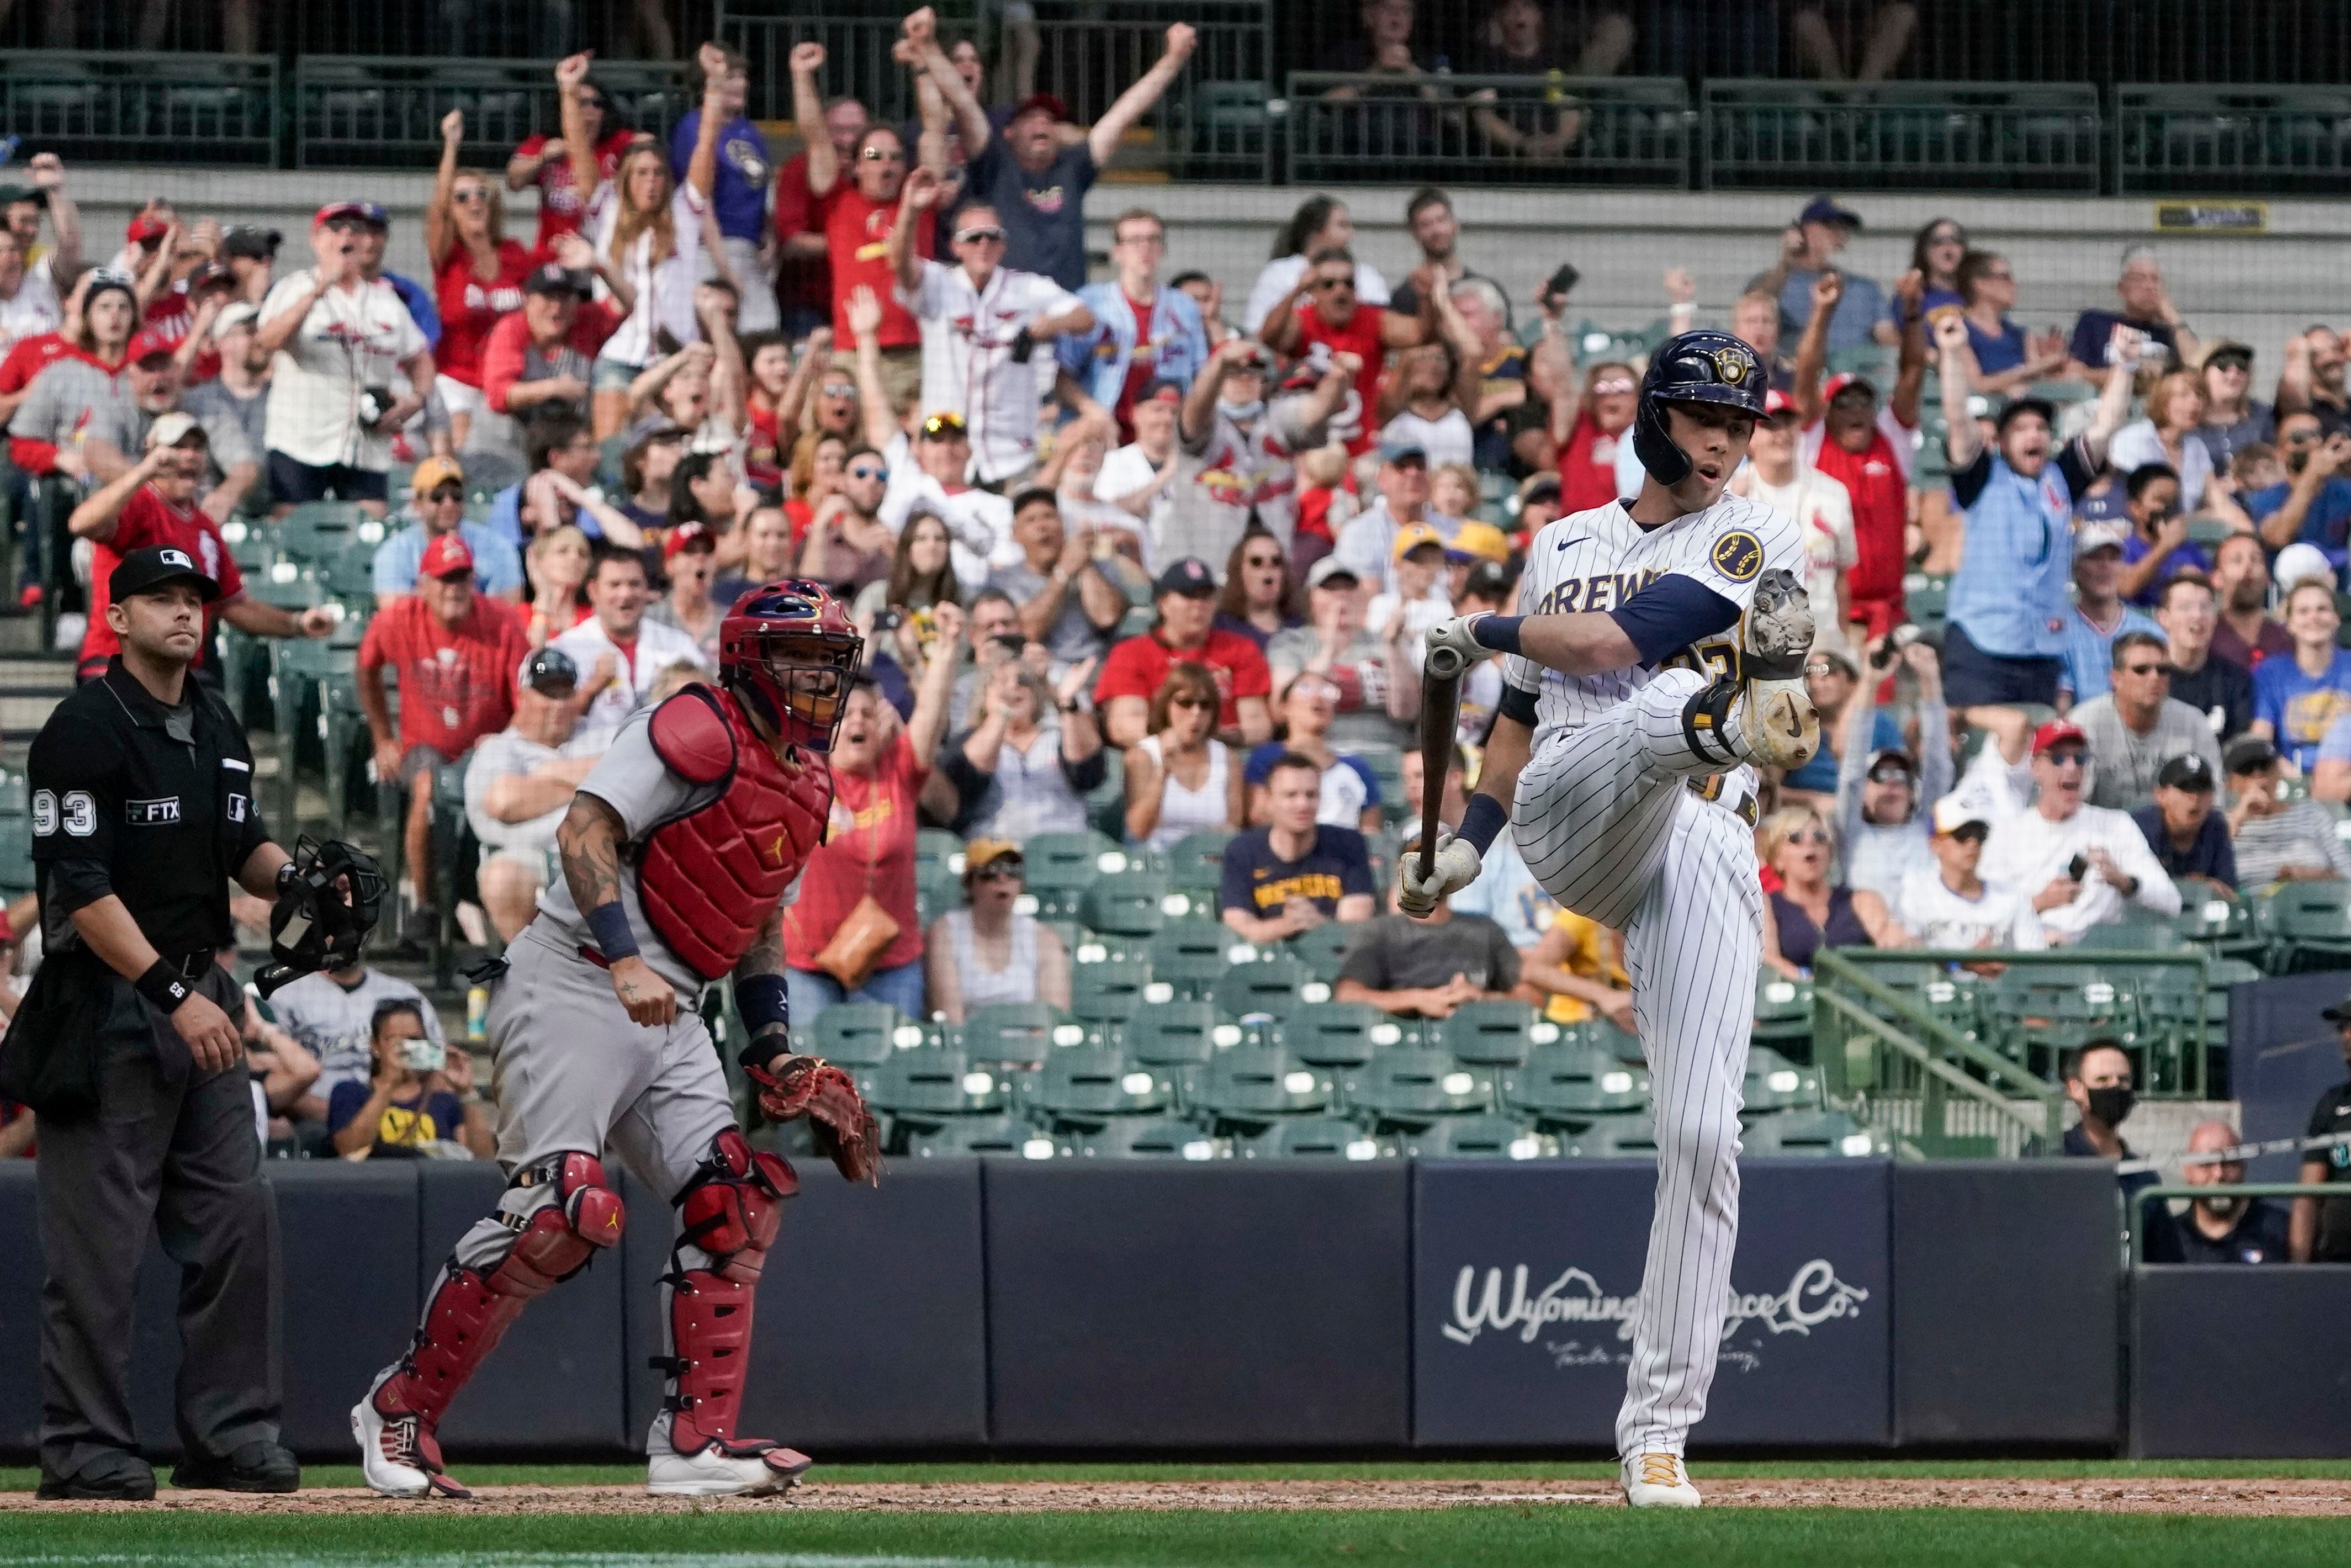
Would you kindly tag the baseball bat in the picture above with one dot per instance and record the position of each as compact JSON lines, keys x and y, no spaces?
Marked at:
{"x":1440,"y":709}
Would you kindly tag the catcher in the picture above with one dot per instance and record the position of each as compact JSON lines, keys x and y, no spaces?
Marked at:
{"x":716,"y":798}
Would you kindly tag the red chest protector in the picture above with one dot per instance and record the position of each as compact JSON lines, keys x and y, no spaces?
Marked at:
{"x":710,"y":879}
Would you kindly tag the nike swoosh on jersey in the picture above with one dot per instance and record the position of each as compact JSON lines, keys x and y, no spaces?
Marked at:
{"x":1571,"y":544}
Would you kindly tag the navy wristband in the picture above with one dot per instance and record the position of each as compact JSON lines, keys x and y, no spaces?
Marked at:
{"x":761,"y":1000}
{"x":1499,"y":633}
{"x":608,"y":924}
{"x":1482,"y":821}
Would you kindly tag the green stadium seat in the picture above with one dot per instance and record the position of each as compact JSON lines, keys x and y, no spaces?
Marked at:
{"x":1829,"y":1133}
{"x":1492,"y":1034}
{"x":1255,"y":1085}
{"x":16,"y":855}
{"x":938,"y":849}
{"x":1111,"y":992}
{"x":931,"y":1085}
{"x":1404,"y":1086}
{"x":1197,"y":861}
{"x":1573,"y":1083}
{"x":1775,"y":1084}
{"x":1323,"y":949}
{"x":1126,"y":904}
{"x":995,"y":1137}
{"x":15,"y":795}
{"x":1274,"y":985}
{"x":1386,"y":763}
{"x":857,"y":1034}
{"x":1339,"y":1034}
{"x":1783,"y":1008}
{"x":1601,"y":1035}
{"x":1001,"y":1032}
{"x":1617,"y":1138}
{"x":1171,"y":1034}
{"x":2222,"y":926}
{"x":1140,"y":1137}
{"x":1071,"y":862}
{"x":1190,"y":954}
{"x":1087,"y":1084}
{"x":2308,"y":925}
{"x":2139,"y":931}
{"x":1479,"y":1137}
{"x":1312,"y":1138}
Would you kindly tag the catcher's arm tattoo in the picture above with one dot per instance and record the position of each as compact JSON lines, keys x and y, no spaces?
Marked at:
{"x":766,"y":957}
{"x":589,"y":841}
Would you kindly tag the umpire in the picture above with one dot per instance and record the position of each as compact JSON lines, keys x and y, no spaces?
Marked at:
{"x":143,"y":809}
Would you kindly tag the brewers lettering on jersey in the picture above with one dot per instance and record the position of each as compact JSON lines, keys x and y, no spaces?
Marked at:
{"x":1660,"y":652}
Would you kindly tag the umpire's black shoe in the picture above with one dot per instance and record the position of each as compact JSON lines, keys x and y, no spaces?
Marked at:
{"x":257,"y":1466}
{"x":110,"y":1477}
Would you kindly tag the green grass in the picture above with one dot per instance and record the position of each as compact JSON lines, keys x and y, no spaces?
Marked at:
{"x":1498,"y":1537}
{"x":23,"y":1480}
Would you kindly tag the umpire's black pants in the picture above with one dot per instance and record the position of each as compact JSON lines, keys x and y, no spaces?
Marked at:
{"x":176,"y":1152}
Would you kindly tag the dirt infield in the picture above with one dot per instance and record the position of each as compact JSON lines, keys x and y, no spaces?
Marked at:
{"x":2301,"y":1499}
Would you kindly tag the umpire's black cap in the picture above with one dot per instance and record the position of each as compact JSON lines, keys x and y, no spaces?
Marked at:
{"x":2339,"y":1013}
{"x":145,"y":570}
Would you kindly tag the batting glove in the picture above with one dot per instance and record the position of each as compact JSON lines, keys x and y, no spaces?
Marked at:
{"x":1458,"y":866}
{"x":1455,"y":635}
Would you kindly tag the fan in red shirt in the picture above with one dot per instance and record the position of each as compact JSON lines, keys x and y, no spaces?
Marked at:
{"x":1587,"y":464}
{"x":477,"y":274}
{"x":778,"y":389}
{"x":1187,"y":634}
{"x":544,"y":352}
{"x":189,"y":309}
{"x":858,"y":207}
{"x":804,"y":282}
{"x":542,"y":160}
{"x":1865,"y":447}
{"x":1322,"y":310}
{"x":459,"y":654}
{"x":154,"y":503}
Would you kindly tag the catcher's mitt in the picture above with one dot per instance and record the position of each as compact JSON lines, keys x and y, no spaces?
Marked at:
{"x":844,"y":1129}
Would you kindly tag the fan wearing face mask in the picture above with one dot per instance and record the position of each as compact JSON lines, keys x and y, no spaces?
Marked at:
{"x":2098,"y":1081}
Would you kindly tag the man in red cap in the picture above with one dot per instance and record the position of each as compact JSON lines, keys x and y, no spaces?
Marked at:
{"x":1035,"y":180}
{"x":457,"y":653}
{"x":1865,"y":446}
{"x":2078,"y":863}
{"x":154,"y":503}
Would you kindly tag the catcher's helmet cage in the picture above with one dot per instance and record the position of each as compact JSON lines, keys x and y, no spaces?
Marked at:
{"x":789,"y":651}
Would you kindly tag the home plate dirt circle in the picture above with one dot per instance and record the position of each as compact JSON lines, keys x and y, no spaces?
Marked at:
{"x":2308,"y":1499}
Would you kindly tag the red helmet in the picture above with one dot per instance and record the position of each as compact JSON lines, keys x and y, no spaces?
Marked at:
{"x":788,"y":651}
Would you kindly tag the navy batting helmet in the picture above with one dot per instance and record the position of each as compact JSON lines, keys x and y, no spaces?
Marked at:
{"x":1694,"y":367}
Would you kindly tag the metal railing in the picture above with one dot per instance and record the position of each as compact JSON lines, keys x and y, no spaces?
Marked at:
{"x":184,"y":108}
{"x":1612,"y":130}
{"x":2135,"y":1218}
{"x":1946,"y":135}
{"x":652,"y":30}
{"x":378,"y":113}
{"x":2199,"y":140}
{"x":1912,"y":1074}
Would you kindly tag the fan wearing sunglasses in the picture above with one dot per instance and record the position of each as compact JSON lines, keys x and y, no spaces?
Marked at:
{"x":1806,"y":913}
{"x":1597,"y":422}
{"x":981,"y":323}
{"x":2139,"y":725}
{"x":1947,"y":904}
{"x":2080,"y":863}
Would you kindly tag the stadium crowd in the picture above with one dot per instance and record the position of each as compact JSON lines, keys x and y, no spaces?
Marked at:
{"x":1129,"y":555}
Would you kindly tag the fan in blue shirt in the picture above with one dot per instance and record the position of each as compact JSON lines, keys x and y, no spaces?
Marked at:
{"x":2297,"y":700}
{"x":2099,"y":614}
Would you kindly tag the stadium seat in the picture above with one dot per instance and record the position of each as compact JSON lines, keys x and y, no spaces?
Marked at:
{"x":1197,"y":861}
{"x":1126,"y":904}
{"x":1810,"y":1133}
{"x":1775,"y":1084}
{"x":1002,"y":1032}
{"x":2308,"y":925}
{"x":1386,"y":763}
{"x":1313,"y":1138}
{"x":1140,"y":1137}
{"x":2139,"y":931}
{"x":1783,"y":1008}
{"x":1339,"y":1034}
{"x":1323,"y":949}
{"x":1617,"y":1138}
{"x":1573,"y":1083}
{"x":1273,"y":987}
{"x":938,"y":849}
{"x":857,"y":1034}
{"x":999,"y":1137}
{"x":1071,"y":862}
{"x":1493,"y":1033}
{"x":1189,"y":956}
{"x":1085,"y":1084}
{"x":1481,"y":1137}
{"x":1254,"y":1085}
{"x":930,"y":1086}
{"x":1171,"y":1034}
{"x":1402,"y":1086}
{"x":1111,"y":992}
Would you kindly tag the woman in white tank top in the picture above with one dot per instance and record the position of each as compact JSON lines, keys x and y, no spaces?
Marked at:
{"x":990,"y":952}
{"x":1180,"y":778}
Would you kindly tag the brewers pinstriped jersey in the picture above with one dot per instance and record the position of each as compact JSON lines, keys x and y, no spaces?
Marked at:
{"x":1598,"y":560}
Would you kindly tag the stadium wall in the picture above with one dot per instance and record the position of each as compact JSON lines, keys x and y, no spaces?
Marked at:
{"x":2065,"y":251}
{"x":1450,"y":1306}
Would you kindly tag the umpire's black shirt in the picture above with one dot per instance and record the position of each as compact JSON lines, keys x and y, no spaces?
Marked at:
{"x":154,"y":805}
{"x":2331,"y":1118}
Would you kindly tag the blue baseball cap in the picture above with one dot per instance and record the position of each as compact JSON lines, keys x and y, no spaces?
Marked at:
{"x":1189,"y":577}
{"x":1824,"y":210}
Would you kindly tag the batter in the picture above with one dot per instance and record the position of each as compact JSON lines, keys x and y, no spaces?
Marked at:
{"x":1663,"y":653}
{"x":716,"y":798}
